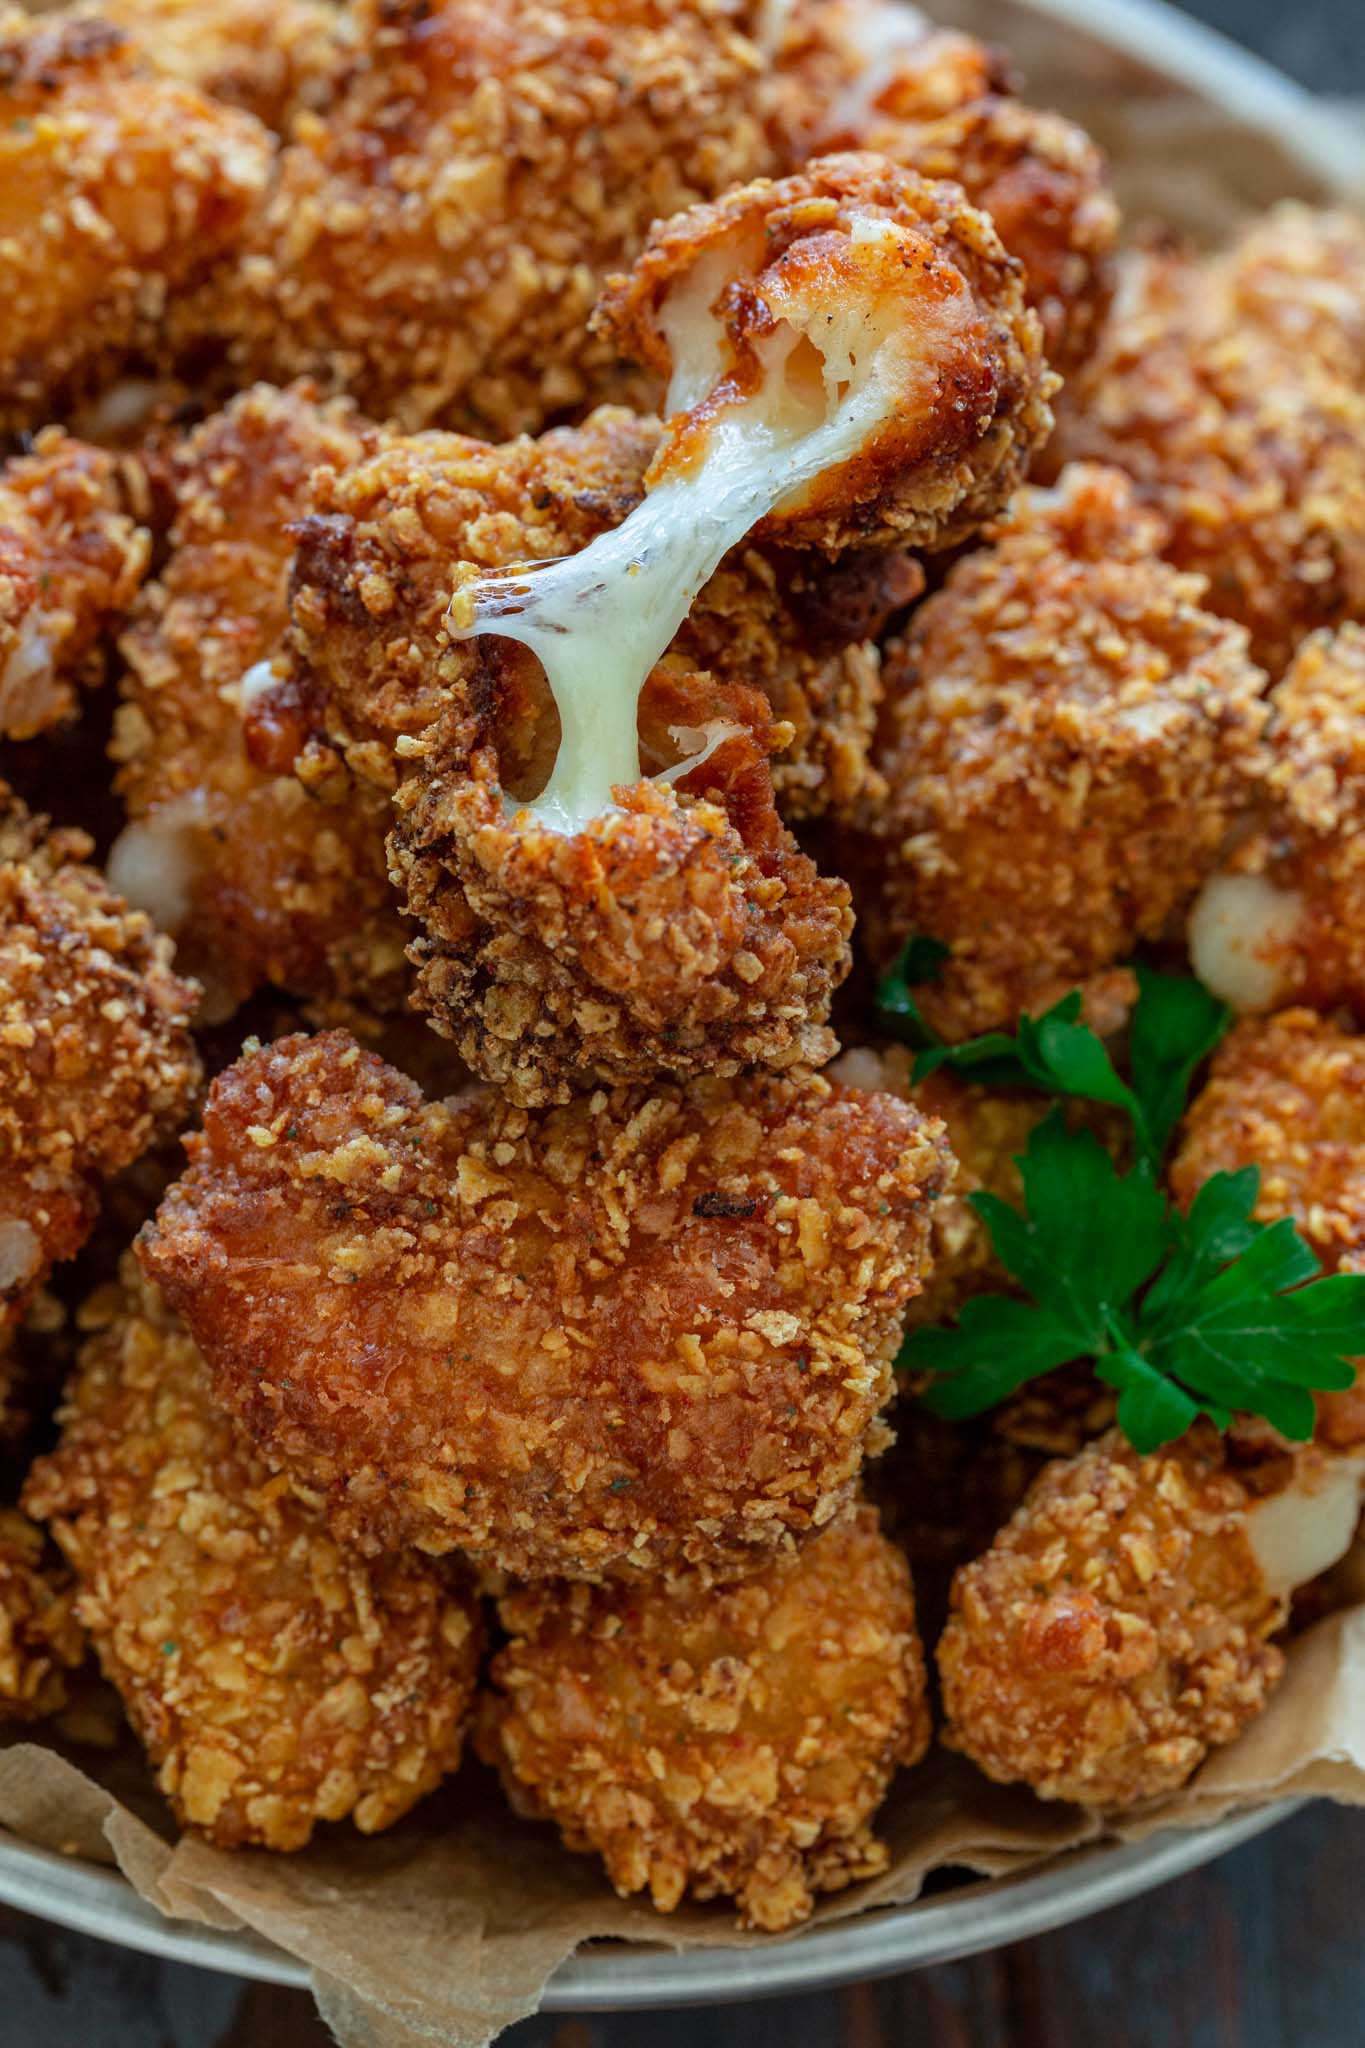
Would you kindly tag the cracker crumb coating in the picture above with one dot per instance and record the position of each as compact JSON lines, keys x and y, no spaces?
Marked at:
{"x":275,"y":1680}
{"x":272,"y":58}
{"x":1118,"y":1628}
{"x":435,"y":244}
{"x":259,"y":881}
{"x":943,"y":106}
{"x":1068,"y":736}
{"x":950,"y":443}
{"x":71,"y":558}
{"x":118,"y":191}
{"x":727,"y":1743}
{"x":651,"y":1328}
{"x":41,"y":1640}
{"x":96,"y":1059}
{"x":1249,"y":446}
{"x":1298,"y":272}
{"x":1292,"y":889}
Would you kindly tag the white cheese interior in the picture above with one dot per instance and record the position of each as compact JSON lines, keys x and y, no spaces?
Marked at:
{"x":837,"y":363}
{"x":880,"y":33}
{"x":29,"y":693}
{"x":1237,"y":928}
{"x":155,"y":863}
{"x":1302,"y":1532}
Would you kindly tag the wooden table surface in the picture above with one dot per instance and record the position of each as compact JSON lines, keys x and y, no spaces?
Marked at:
{"x":1265,"y":1949}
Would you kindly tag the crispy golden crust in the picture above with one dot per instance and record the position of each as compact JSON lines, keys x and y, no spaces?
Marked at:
{"x":1068,"y":735}
{"x":939,"y":106}
{"x":275,"y":1680}
{"x":117,"y":192}
{"x":1304,"y":935}
{"x":1286,"y":1094}
{"x":40,"y":1638}
{"x":1299,"y":273}
{"x":258,"y":880}
{"x":272,"y":58}
{"x":96,"y":1061}
{"x":71,"y":559}
{"x":946,"y":452}
{"x":649,"y":1329}
{"x":731,"y":1743}
{"x":436,"y":244}
{"x":1250,"y":449}
{"x":1116,"y":1630}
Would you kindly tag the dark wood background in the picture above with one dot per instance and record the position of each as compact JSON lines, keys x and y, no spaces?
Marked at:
{"x":1265,"y":1949}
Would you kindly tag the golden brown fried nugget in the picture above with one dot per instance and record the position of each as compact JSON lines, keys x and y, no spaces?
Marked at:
{"x":1118,"y":1628}
{"x":866,"y":74}
{"x":719,"y":1743}
{"x":71,"y":559}
{"x":435,"y":244}
{"x":1299,"y":273}
{"x":96,"y":1060}
{"x":276,"y":1680}
{"x":271,"y":57}
{"x":648,"y":1329}
{"x":1068,"y":735}
{"x":117,"y":192}
{"x":258,"y":881}
{"x":1283,"y":920}
{"x":1251,"y":449}
{"x":40,"y":1638}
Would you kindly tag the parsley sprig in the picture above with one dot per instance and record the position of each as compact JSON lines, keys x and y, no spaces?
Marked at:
{"x":1208,"y":1313}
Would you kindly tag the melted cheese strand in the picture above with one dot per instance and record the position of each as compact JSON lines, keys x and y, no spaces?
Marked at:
{"x":599,"y":620}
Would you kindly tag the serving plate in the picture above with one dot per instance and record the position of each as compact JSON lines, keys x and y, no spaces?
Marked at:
{"x":1144,"y":78}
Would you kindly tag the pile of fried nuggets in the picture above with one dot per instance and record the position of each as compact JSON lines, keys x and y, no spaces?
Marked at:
{"x":563,"y":1329}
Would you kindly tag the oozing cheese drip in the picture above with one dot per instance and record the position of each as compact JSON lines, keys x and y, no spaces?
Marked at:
{"x":600,"y":619}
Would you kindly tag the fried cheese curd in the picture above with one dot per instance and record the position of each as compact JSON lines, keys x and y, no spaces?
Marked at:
{"x":275,"y":1680}
{"x":1068,"y":736}
{"x":583,"y":924}
{"x":875,"y":75}
{"x":259,"y":881}
{"x":71,"y":558}
{"x":1119,"y":1627}
{"x":434,"y":244}
{"x":96,"y":1059}
{"x":731,"y":1742}
{"x":1299,"y":272}
{"x":1249,"y":444}
{"x":1283,"y":919}
{"x":118,"y":192}
{"x":272,"y":58}
{"x":647,"y":1330}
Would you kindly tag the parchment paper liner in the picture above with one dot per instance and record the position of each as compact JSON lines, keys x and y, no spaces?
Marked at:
{"x":447,"y":1929}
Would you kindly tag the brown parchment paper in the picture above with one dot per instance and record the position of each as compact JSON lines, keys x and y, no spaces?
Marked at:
{"x":447,"y":1929}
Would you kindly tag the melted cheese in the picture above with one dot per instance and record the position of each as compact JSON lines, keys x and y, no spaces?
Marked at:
{"x":155,"y":863}
{"x":1298,"y":1534}
{"x":29,"y":692}
{"x":259,"y":679}
{"x":1237,"y":927}
{"x":880,"y":34}
{"x":836,"y":365}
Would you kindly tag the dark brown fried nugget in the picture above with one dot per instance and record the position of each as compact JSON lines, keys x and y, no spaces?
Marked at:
{"x":259,"y":881}
{"x":276,"y":1680}
{"x":96,"y":1059}
{"x":72,"y":555}
{"x":649,"y":1329}
{"x":730,"y":1742}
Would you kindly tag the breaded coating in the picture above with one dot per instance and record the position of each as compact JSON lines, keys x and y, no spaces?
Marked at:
{"x":40,"y":1638}
{"x":275,"y":1680}
{"x":1283,"y":920}
{"x":1282,"y":1095}
{"x":118,"y":192}
{"x":258,"y":880}
{"x":649,"y":1329}
{"x":783,"y":296}
{"x":1299,"y":273}
{"x":273,"y":58}
{"x":1118,"y":1628}
{"x":96,"y":1060}
{"x":731,"y":1743}
{"x":71,"y":559}
{"x":1251,"y":450}
{"x":1068,"y":735}
{"x":435,"y":244}
{"x":871,"y":74}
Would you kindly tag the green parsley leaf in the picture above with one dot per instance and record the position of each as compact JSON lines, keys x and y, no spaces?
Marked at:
{"x":997,"y":1347}
{"x":1176,"y":1024}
